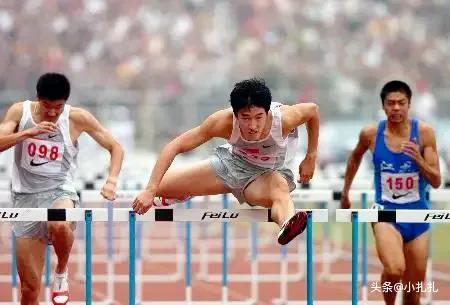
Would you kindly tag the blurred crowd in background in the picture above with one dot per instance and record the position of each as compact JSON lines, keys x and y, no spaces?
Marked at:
{"x":163,"y":65}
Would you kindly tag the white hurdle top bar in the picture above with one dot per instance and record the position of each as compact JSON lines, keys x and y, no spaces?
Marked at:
{"x":42,"y":214}
{"x":153,"y":215}
{"x":373,"y":215}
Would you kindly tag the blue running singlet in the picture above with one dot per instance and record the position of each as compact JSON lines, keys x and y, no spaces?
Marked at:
{"x":398,"y":183}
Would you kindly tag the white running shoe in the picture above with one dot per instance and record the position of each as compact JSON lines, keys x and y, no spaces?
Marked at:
{"x":60,"y":293}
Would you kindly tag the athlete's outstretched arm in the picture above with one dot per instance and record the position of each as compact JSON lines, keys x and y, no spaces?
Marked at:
{"x":300,"y":114}
{"x":428,"y":162}
{"x":311,"y":114}
{"x":8,"y":136}
{"x":191,"y":139}
{"x":103,"y":137}
{"x":366,"y":135}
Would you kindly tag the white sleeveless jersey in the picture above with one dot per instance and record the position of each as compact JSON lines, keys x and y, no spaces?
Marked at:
{"x":271,"y":152}
{"x":46,"y":161}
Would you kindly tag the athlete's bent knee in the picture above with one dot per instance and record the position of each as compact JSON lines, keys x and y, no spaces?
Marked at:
{"x":279,"y":188}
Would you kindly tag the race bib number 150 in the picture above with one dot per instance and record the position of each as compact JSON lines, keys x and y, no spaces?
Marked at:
{"x":400,"y":187}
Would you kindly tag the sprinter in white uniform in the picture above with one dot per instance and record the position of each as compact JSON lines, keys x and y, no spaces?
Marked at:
{"x":252,"y":165}
{"x":44,"y":135}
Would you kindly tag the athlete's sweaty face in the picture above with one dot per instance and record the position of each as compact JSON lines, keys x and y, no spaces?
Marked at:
{"x":252,"y":121}
{"x":396,"y":106}
{"x":50,"y":110}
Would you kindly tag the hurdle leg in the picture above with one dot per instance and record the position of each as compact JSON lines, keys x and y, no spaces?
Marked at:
{"x":132,"y":257}
{"x":355,"y":258}
{"x":364,"y":252}
{"x":309,"y":260}
{"x":188,"y":251}
{"x":88,"y":255}
{"x":225,"y":255}
{"x":47,"y":274}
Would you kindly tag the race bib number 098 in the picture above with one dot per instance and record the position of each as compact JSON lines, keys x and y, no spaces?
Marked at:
{"x":42,"y":157}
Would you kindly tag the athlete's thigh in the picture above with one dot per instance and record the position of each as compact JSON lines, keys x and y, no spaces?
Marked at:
{"x":267,"y":187}
{"x":63,"y":203}
{"x":416,"y":256}
{"x":389,"y":245}
{"x":30,"y":253}
{"x":193,"y":180}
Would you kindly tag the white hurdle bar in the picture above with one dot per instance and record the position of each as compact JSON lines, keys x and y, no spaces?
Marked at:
{"x":153,"y":215}
{"x":413,"y":216}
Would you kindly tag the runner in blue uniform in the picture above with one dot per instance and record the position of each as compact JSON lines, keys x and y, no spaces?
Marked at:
{"x":405,"y":161}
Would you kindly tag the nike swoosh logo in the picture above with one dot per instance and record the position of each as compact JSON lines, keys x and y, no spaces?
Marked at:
{"x":32,"y":163}
{"x":267,"y":146}
{"x":50,"y":136}
{"x":397,"y":196}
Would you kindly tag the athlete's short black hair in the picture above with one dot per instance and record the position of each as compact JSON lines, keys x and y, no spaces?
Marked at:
{"x":395,"y":86}
{"x":52,"y":87}
{"x":250,"y":92}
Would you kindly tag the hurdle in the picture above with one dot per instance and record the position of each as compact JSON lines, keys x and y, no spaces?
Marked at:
{"x":177,"y":215}
{"x":365,"y":197}
{"x":93,"y":196}
{"x":356,"y":216}
{"x":226,"y":216}
{"x":362,"y":195}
